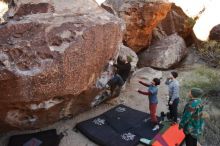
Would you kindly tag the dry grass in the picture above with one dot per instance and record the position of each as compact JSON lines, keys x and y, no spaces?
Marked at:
{"x":210,"y":52}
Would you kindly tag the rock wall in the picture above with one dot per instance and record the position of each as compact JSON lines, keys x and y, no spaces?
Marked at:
{"x":164,"y":54}
{"x":176,"y":21}
{"x":141,"y":17}
{"x":50,"y":59}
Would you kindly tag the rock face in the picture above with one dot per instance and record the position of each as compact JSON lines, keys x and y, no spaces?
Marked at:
{"x":125,"y":51}
{"x":147,"y":74}
{"x":50,"y":60}
{"x":215,"y":33}
{"x":141,"y":17}
{"x":3,"y":10}
{"x":176,"y":21}
{"x":164,"y":54}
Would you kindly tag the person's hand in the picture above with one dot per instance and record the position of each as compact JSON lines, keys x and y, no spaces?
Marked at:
{"x":167,"y":97}
{"x":137,"y":90}
{"x":111,"y":62}
{"x":171,"y":102}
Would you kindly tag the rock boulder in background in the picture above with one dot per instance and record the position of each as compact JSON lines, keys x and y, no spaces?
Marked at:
{"x":176,"y":21}
{"x":141,"y":17}
{"x":164,"y":54}
{"x":215,"y":33}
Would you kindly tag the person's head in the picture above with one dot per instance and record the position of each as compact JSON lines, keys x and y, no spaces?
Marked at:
{"x":156,"y":81}
{"x":173,"y":75}
{"x":196,"y":93}
{"x":120,"y":59}
{"x":124,"y":59}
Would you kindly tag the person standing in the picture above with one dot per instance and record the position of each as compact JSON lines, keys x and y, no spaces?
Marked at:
{"x":153,"y":101}
{"x":192,"y":120}
{"x":174,"y":88}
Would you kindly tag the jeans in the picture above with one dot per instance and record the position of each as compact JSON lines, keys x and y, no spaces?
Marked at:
{"x":115,"y":84}
{"x":116,"y":80}
{"x":174,"y":110}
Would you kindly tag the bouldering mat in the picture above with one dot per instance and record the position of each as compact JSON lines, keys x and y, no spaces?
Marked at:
{"x":44,"y":138}
{"x":120,"y":126}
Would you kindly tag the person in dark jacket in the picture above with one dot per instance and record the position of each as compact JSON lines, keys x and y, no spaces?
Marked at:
{"x":121,"y":72}
{"x":153,"y":101}
{"x":124,"y":67}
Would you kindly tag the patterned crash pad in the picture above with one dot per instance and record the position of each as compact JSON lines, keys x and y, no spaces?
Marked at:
{"x":120,"y":126}
{"x":44,"y":138}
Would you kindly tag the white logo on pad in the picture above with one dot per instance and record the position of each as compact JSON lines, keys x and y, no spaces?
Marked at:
{"x":120,"y":109}
{"x":99,"y":121}
{"x":128,"y":136}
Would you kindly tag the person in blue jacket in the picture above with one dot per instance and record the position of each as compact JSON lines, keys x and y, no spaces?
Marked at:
{"x":153,"y":101}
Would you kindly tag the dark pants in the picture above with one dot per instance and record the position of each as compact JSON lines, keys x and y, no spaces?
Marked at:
{"x":116,"y":80}
{"x":115,"y":84}
{"x":190,"y":141}
{"x":153,"y":110}
{"x":174,"y":110}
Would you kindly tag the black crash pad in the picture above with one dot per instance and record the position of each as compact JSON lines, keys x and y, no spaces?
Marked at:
{"x":120,"y":126}
{"x":45,"y":138}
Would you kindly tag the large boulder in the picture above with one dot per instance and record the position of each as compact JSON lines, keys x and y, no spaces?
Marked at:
{"x":50,"y":60}
{"x":164,"y":54}
{"x":215,"y":33}
{"x":176,"y":21}
{"x":141,"y":17}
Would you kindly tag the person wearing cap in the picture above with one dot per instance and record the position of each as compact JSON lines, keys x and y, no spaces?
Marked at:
{"x":153,"y":101}
{"x":173,"y":86}
{"x":192,"y":121}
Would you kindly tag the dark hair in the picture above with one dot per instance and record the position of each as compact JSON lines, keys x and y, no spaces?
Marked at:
{"x":174,"y":74}
{"x":156,"y":81}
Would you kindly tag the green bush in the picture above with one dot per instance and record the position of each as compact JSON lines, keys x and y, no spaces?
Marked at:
{"x":205,"y":78}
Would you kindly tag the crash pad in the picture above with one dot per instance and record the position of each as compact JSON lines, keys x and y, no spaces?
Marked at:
{"x":120,"y":126}
{"x":44,"y":138}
